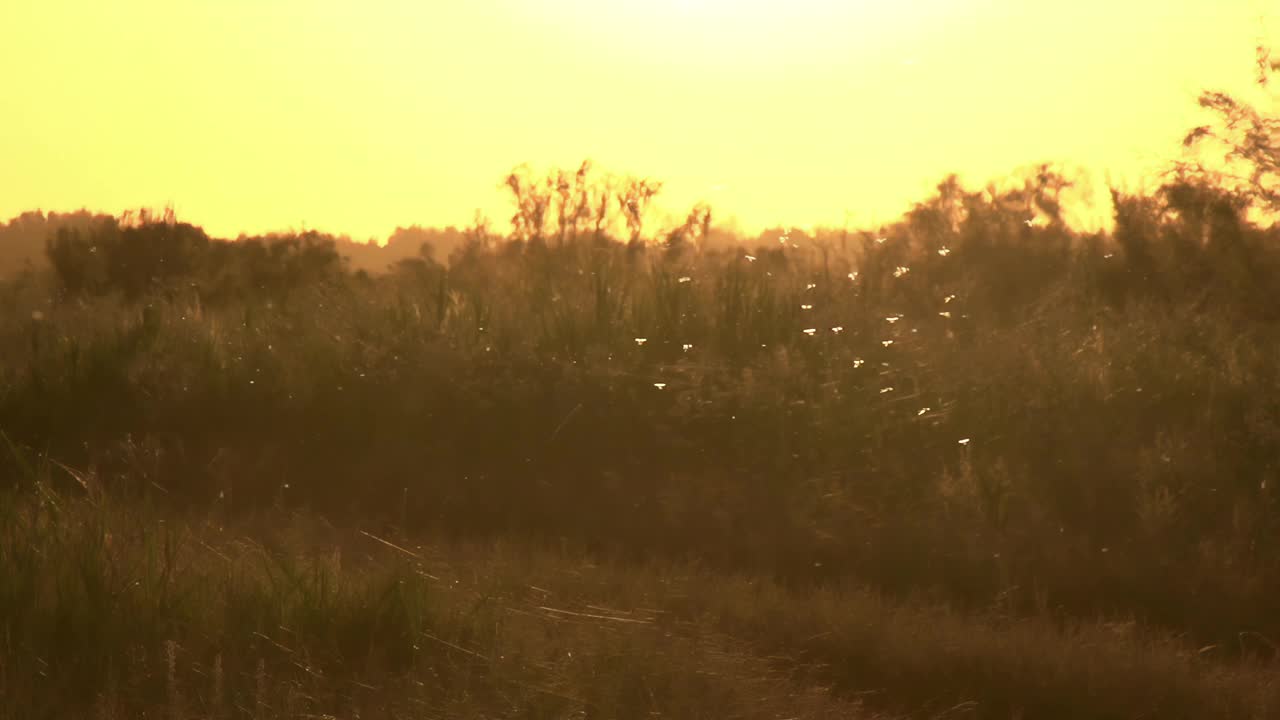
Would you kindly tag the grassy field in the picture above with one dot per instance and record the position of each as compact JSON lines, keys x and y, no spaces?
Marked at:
{"x":129,"y":612}
{"x":971,"y":464}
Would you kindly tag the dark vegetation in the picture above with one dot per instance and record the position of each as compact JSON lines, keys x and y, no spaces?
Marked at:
{"x":974,"y":462}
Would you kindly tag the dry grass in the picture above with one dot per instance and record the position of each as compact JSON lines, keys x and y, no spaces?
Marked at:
{"x":120,"y":612}
{"x":128,"y":612}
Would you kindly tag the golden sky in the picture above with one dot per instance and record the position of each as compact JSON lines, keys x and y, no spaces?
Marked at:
{"x":356,"y":117}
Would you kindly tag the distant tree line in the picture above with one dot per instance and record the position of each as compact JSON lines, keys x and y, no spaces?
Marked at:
{"x":143,"y":253}
{"x":22,"y":239}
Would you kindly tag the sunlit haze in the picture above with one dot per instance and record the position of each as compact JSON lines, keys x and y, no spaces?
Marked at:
{"x":356,"y":118}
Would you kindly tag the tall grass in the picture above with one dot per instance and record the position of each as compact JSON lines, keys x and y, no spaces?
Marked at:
{"x":128,"y":611}
{"x":975,"y":402}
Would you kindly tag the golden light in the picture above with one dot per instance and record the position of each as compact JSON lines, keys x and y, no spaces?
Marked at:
{"x":748,"y":33}
{"x":253,"y":116}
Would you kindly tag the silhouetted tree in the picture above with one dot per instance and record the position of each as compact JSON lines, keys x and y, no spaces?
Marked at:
{"x":1248,"y":139}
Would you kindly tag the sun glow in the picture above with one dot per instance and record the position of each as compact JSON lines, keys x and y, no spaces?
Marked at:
{"x":259,"y":115}
{"x":750,"y":32}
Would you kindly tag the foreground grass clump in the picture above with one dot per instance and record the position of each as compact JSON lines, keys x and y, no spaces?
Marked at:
{"x":115,"y":612}
{"x":118,"y":610}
